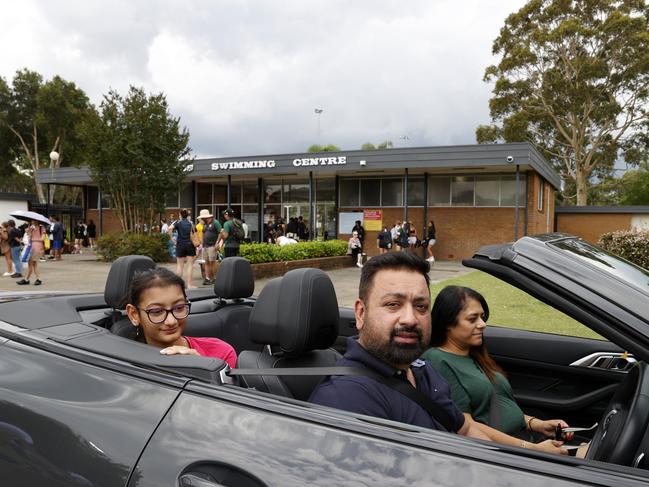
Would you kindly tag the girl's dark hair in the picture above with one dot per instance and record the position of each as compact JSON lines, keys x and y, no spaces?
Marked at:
{"x":184,"y":213}
{"x":446,"y":309}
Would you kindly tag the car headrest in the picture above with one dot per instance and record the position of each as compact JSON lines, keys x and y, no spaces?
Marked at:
{"x":263,"y":317}
{"x":298,"y":313}
{"x":308,"y":316}
{"x":120,"y":276}
{"x":234,"y":279}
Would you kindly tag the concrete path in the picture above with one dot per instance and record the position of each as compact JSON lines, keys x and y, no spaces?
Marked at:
{"x":83,"y":273}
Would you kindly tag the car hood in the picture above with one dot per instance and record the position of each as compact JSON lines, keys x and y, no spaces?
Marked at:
{"x":597,"y":288}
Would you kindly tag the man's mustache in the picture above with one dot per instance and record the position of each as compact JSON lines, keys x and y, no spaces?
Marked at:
{"x":405,"y":329}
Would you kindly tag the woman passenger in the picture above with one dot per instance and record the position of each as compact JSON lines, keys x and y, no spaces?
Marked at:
{"x":158,"y":308}
{"x":478,"y":384}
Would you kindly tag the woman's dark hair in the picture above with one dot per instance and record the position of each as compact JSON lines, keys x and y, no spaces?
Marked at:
{"x":446,"y":309}
{"x":150,"y":278}
{"x":184,"y":213}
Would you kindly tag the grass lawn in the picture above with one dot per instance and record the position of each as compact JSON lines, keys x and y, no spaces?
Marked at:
{"x":512,"y":308}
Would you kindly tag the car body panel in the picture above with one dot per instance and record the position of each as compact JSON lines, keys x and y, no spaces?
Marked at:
{"x":66,"y":423}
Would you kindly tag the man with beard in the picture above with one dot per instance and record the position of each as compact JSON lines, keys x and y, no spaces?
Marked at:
{"x":393,"y":321}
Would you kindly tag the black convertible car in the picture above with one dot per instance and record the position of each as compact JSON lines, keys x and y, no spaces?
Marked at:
{"x":83,"y":404}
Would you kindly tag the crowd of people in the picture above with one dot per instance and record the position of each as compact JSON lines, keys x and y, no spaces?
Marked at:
{"x":24,"y":246}
{"x":402,"y":236}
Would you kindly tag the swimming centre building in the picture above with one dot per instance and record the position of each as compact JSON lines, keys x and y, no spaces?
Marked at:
{"x":475,"y":194}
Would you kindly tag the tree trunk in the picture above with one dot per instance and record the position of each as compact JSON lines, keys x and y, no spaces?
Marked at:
{"x":581,"y":181}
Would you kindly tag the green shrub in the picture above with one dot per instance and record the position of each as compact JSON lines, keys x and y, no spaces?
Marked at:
{"x":630,"y":245}
{"x":114,"y":245}
{"x":258,"y":253}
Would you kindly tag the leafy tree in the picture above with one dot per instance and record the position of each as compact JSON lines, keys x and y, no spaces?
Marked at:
{"x":572,"y":79}
{"x":386,"y":144}
{"x":37,"y":118}
{"x":137,"y":153}
{"x":323,"y":148}
{"x":634,"y":186}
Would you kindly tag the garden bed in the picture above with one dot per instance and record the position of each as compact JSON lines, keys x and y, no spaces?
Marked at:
{"x":276,"y":269}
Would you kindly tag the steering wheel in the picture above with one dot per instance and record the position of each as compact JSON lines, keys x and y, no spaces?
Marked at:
{"x":625,"y":419}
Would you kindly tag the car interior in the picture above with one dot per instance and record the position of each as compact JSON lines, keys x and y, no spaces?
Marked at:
{"x":295,"y":322}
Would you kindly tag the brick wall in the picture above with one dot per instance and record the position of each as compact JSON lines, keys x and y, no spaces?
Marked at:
{"x":590,"y":226}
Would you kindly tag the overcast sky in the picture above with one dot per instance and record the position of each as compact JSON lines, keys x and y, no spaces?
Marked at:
{"x":246,"y":76}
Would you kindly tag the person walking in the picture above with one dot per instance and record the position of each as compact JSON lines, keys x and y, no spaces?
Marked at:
{"x":58,"y":237}
{"x":231,"y":234}
{"x":211,"y":231}
{"x":14,"y":247}
{"x":92,"y":233}
{"x":430,"y":240}
{"x":384,"y":240}
{"x":5,"y":248}
{"x":36,"y":233}
{"x":185,"y":250}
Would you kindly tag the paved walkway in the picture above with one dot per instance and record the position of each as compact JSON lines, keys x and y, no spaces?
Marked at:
{"x":83,"y":273}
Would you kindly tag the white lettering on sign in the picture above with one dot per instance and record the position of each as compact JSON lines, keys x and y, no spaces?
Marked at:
{"x":189,"y":168}
{"x":319,"y":161}
{"x":224,"y":166}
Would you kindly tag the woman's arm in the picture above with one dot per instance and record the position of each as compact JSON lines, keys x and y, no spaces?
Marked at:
{"x":547,"y":427}
{"x":547,"y":446}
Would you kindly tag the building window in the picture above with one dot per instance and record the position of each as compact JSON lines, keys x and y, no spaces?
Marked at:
{"x":462,"y":191}
{"x":439,"y":191}
{"x":508,"y":191}
{"x":204,"y":194}
{"x":92,"y":197}
{"x":539,"y":204}
{"x":415,"y":191}
{"x":392,"y":192}
{"x":487,"y":191}
{"x":370,"y":192}
{"x":349,"y":193}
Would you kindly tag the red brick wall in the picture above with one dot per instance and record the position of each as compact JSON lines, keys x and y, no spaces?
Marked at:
{"x":590,"y":226}
{"x":539,"y":221}
{"x":460,"y":231}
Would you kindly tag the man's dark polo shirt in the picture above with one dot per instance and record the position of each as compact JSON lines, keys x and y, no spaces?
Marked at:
{"x":363,"y":395}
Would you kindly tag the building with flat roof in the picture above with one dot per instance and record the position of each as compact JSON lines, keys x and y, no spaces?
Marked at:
{"x":475,"y":194}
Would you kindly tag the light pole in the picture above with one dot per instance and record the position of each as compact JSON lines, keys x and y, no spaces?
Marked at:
{"x":318,"y":112}
{"x":54,"y":156}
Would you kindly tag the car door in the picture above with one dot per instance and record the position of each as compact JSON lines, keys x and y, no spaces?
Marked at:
{"x":556,"y":376}
{"x":65,"y":422}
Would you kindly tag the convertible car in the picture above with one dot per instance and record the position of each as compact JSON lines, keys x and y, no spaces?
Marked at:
{"x":83,"y":404}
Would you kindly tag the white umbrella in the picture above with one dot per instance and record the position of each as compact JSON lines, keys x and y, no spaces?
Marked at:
{"x":29,"y":216}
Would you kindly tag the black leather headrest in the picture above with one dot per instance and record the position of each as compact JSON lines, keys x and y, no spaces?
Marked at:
{"x":120,"y":276}
{"x":308,"y":316}
{"x":234,"y":279}
{"x":298,"y":313}
{"x":263,"y":318}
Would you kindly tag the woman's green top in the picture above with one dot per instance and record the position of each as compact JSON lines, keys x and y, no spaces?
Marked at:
{"x":472,"y":390}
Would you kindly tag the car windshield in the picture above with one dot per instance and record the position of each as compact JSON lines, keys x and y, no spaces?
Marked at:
{"x":611,"y":263}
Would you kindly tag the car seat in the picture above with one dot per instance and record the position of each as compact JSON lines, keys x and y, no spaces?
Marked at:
{"x":231,"y":320}
{"x":116,"y":291}
{"x":296,"y":317}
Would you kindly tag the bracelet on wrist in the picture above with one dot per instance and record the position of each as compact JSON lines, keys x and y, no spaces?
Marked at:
{"x":523,"y":444}
{"x":529,"y":423}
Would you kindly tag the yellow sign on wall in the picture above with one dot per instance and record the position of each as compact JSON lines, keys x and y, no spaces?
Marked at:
{"x":373,"y":220}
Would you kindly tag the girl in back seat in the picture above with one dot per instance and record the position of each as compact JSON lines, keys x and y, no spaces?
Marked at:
{"x":158,"y":309}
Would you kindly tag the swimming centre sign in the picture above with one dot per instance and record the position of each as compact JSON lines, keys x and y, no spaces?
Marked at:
{"x":271,"y":163}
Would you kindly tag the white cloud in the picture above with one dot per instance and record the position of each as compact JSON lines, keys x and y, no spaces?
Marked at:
{"x":245,"y":76}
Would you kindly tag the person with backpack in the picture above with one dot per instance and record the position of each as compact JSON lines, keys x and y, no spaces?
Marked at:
{"x":232,"y":234}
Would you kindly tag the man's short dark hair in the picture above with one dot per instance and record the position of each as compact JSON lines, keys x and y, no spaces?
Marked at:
{"x":391,"y":260}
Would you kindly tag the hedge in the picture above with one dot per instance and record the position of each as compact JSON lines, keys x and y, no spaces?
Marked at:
{"x":156,"y":246}
{"x":259,"y":253}
{"x":630,"y":245}
{"x":114,"y":245}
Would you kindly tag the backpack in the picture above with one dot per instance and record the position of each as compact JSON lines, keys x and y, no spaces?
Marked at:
{"x":237,"y":230}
